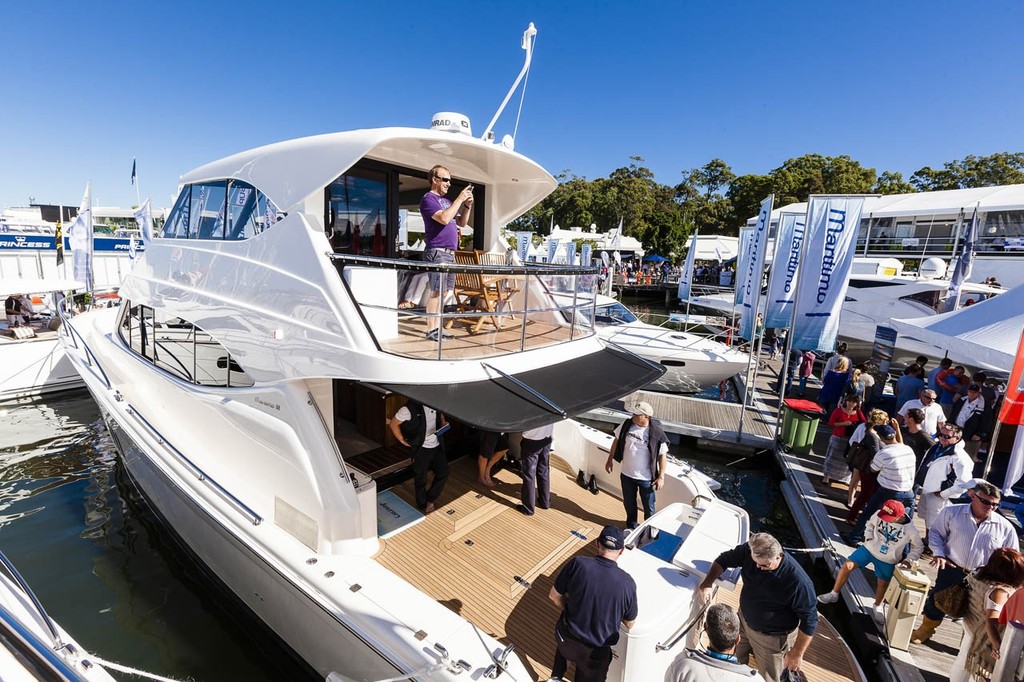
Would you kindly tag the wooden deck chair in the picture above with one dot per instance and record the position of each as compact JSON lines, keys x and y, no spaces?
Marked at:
{"x":474,"y":291}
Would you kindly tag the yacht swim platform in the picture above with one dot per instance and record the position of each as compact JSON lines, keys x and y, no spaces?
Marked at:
{"x":480,"y":557}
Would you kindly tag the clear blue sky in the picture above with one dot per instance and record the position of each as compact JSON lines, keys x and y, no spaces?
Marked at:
{"x":87,"y":86}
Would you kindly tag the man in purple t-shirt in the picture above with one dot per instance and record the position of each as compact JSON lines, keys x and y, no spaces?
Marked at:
{"x":441,"y":221}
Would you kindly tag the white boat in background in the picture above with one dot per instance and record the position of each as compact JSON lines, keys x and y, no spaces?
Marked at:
{"x":692,"y":362}
{"x":32,"y":646}
{"x":876,"y":299}
{"x":285,"y":357}
{"x":32,"y":360}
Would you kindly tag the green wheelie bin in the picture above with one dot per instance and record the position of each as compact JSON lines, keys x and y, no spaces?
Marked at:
{"x":799,"y":424}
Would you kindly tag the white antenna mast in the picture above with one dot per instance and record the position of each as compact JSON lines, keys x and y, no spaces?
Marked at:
{"x":529,"y":36}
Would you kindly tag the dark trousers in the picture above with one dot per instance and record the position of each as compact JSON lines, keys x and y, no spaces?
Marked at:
{"x":868,"y":486}
{"x":425,"y":460}
{"x":591,"y":663}
{"x":631,"y":487}
{"x":948,"y":575}
{"x":536,"y":458}
{"x":881,"y":496}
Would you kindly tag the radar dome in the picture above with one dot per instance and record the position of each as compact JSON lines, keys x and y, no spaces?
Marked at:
{"x":932,"y":268}
{"x":451,"y":122}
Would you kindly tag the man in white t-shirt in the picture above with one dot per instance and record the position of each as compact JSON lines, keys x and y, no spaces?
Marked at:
{"x":641,"y":446}
{"x":420,"y":428}
{"x":934,"y":417}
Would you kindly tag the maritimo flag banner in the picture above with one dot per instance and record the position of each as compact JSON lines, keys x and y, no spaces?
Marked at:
{"x":752,"y":268}
{"x":832,"y":224}
{"x":686,"y":279}
{"x":1012,"y":411}
{"x":785,"y":266}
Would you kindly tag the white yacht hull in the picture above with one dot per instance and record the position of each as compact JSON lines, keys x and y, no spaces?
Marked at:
{"x":691,"y":363}
{"x":315,"y":633}
{"x":340,"y":612}
{"x":35,"y":367}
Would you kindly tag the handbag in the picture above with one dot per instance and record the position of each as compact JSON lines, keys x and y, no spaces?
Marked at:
{"x":860,"y":454}
{"x":954,"y":601}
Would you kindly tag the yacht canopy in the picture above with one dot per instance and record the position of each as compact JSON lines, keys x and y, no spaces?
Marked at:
{"x":983,"y":335}
{"x":575,"y":386}
{"x":289,"y":172}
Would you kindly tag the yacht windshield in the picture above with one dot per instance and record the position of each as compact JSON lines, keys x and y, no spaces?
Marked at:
{"x":614,"y":313}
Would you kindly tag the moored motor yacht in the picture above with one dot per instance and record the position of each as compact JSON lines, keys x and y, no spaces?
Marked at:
{"x":32,"y":645}
{"x":260,"y":349}
{"x":32,"y":361}
{"x":691,"y":361}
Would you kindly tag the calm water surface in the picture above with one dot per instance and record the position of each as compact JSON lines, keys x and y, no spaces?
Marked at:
{"x":101,"y":564}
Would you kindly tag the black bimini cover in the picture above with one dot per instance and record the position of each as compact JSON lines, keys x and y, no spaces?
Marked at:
{"x":568,"y":388}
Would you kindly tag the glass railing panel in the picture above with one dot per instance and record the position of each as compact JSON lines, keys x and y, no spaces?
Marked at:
{"x":490,"y":310}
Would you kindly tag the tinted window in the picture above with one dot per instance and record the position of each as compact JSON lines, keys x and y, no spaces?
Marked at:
{"x":358,"y":213}
{"x":176,"y":226}
{"x":180,"y":348}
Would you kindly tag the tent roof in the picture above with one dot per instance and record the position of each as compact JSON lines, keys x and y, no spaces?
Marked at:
{"x":945,"y":203}
{"x":983,"y":335}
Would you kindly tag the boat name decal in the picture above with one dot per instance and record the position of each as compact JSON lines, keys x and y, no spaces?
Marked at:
{"x":264,"y":403}
{"x":795,"y":245}
{"x":835,"y":227}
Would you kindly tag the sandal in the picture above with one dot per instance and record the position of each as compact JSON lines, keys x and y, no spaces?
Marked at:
{"x":406,"y":305}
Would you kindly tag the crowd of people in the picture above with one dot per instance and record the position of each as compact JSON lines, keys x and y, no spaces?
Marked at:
{"x":920,"y":459}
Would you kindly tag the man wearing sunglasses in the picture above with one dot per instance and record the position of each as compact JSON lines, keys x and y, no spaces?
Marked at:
{"x":934,"y":417}
{"x":441,"y":222}
{"x":962,"y":539}
{"x":944,"y":475}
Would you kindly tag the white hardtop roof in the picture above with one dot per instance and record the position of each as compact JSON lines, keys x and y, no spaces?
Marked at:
{"x":289,"y":172}
{"x":944,"y":203}
{"x":982,"y":335}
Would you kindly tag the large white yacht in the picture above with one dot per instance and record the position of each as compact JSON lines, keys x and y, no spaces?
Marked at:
{"x":261,"y":347}
{"x":692,"y":362}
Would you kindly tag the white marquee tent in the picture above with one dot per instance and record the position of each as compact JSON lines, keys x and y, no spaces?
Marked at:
{"x":984,"y":335}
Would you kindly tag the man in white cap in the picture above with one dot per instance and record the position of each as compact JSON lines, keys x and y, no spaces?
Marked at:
{"x":641,"y":447}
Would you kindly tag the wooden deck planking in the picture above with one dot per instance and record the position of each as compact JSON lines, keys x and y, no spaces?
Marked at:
{"x":478,"y":580}
{"x":489,"y":342}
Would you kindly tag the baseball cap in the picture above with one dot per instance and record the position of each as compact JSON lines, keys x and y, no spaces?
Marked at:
{"x":885,"y":432}
{"x":892,"y":510}
{"x":644,"y":409}
{"x":974,"y":387}
{"x":612,"y":537}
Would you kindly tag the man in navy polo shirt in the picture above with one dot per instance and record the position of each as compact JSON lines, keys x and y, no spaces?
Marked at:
{"x":778,"y":607}
{"x":595,"y":596}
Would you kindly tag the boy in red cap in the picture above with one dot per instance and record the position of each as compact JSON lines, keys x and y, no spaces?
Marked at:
{"x":886,"y":535}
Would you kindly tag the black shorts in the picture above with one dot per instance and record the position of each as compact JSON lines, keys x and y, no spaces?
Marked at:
{"x":491,"y":442}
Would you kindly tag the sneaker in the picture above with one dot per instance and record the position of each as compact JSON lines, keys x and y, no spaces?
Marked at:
{"x":828,"y":598}
{"x":433,"y":334}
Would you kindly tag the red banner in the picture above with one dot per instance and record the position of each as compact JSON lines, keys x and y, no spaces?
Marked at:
{"x":1013,"y":404}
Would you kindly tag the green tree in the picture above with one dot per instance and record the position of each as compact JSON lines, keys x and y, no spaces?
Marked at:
{"x":700,"y":197}
{"x":1001,"y":168}
{"x":745,"y":195}
{"x":892,"y":182}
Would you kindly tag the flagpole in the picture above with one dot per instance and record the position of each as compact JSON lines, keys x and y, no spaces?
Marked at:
{"x":754,"y":355}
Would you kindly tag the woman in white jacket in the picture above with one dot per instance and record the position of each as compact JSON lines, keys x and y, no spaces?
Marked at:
{"x":948,"y":471}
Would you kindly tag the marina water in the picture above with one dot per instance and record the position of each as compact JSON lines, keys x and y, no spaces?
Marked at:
{"x":110,"y":573}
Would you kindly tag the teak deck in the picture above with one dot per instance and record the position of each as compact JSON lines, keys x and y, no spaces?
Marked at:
{"x":481,"y":558}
